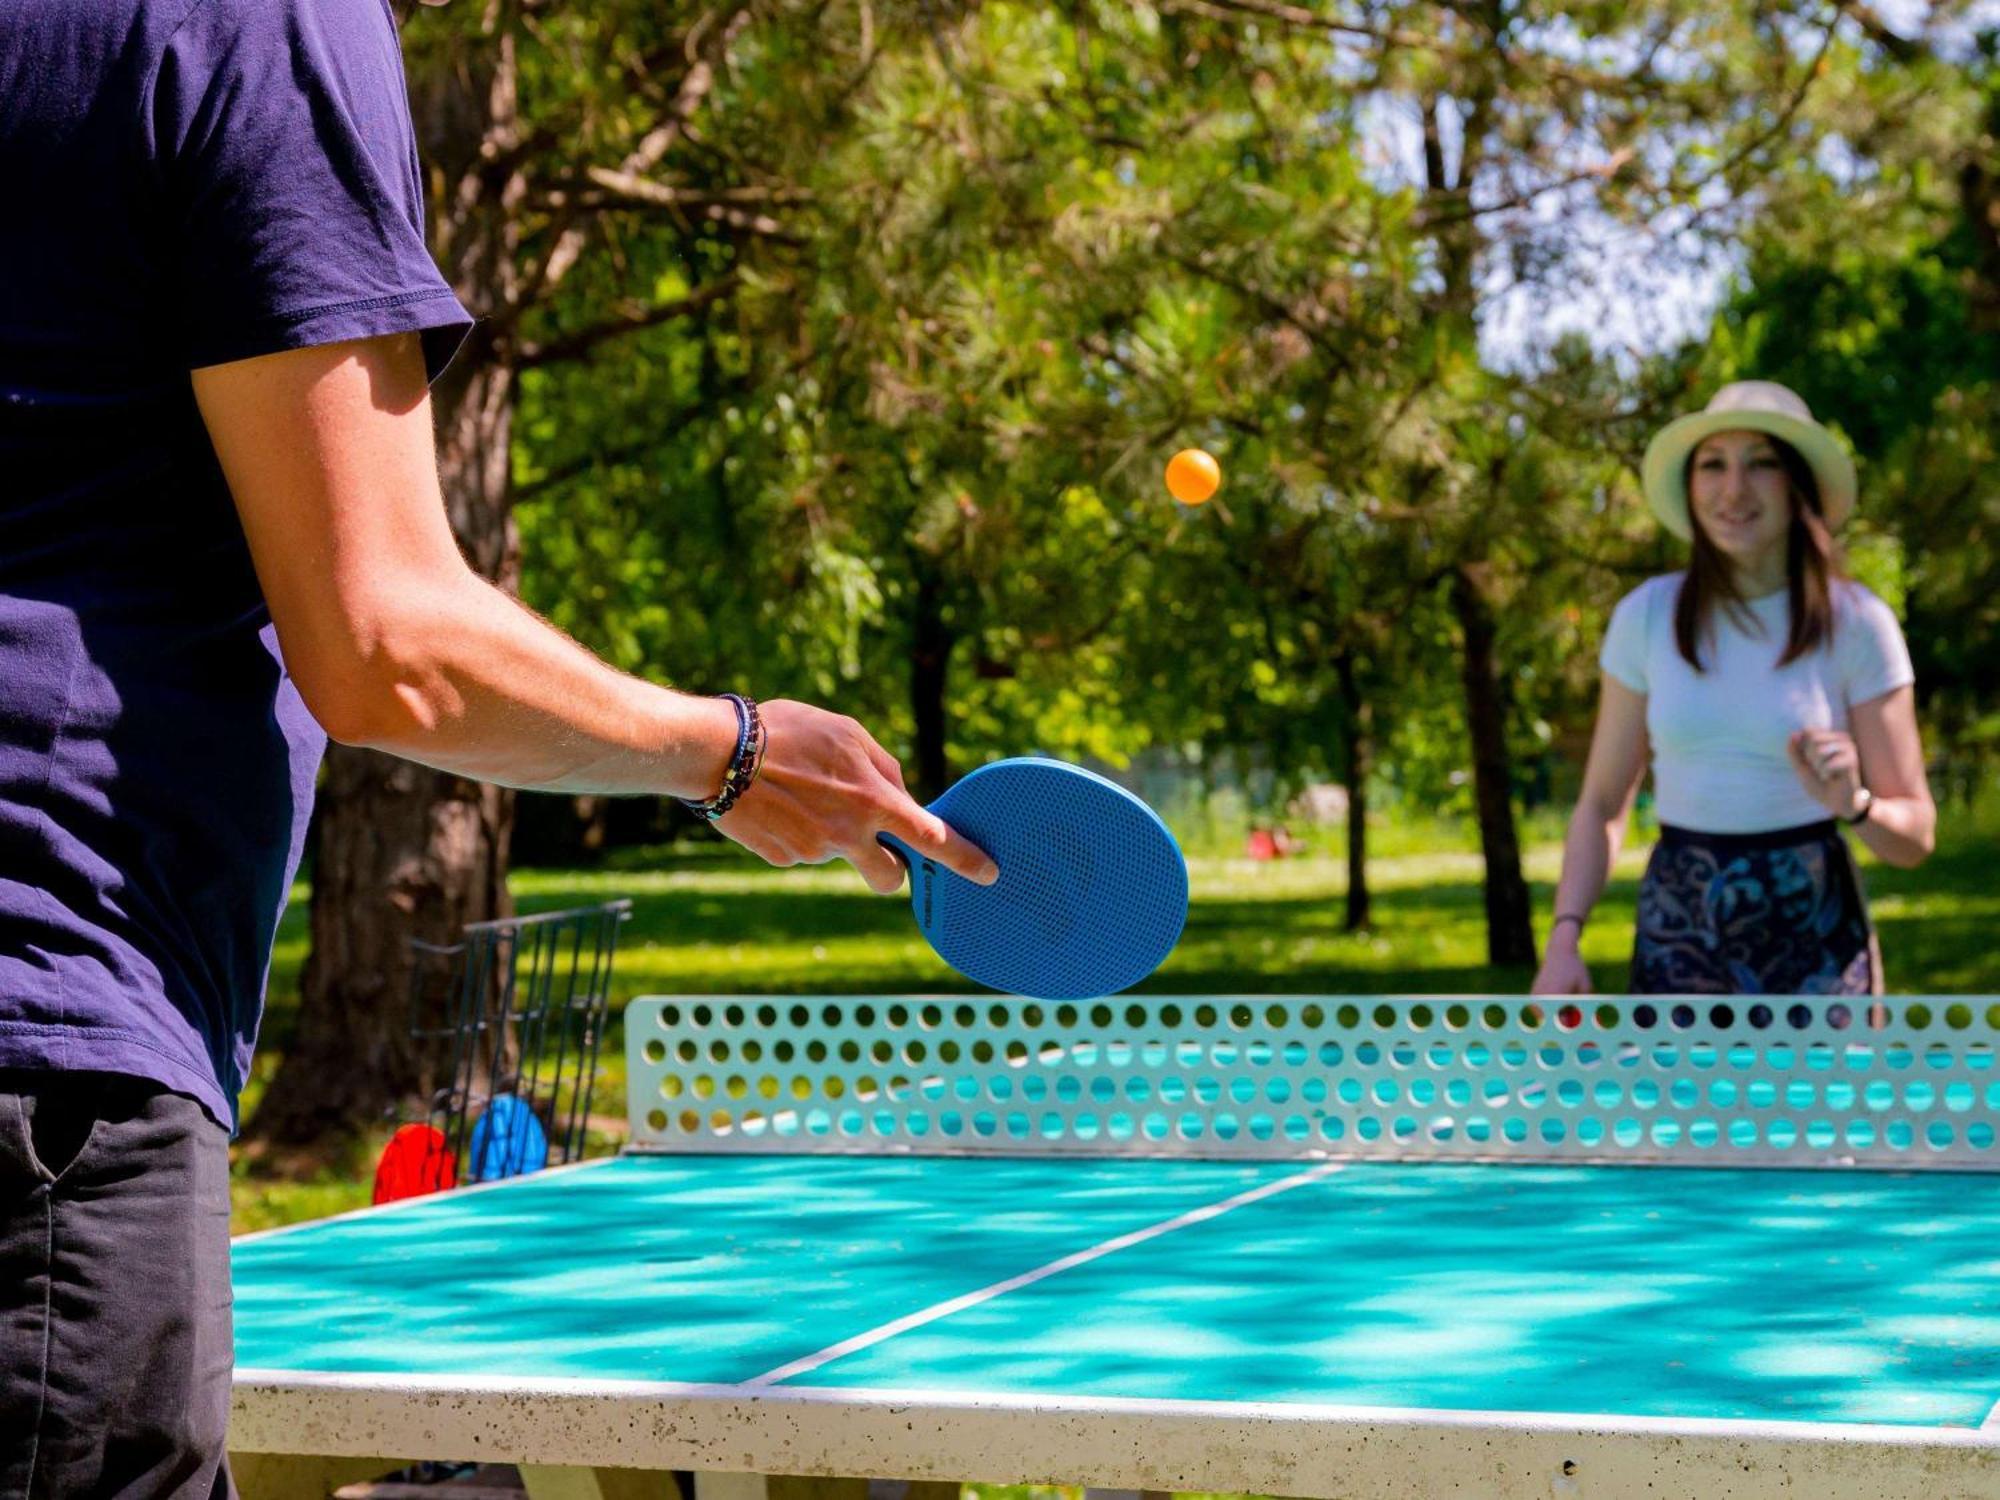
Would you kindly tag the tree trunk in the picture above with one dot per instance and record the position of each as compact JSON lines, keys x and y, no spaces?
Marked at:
{"x":1510,"y":938}
{"x":930,"y":666}
{"x":405,"y":852}
{"x":1360,"y":758}
{"x":1979,"y":187}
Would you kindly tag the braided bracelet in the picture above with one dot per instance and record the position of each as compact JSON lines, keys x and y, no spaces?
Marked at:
{"x":744,"y":764}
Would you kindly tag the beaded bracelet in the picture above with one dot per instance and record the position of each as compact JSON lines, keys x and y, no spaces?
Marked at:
{"x":744,"y":764}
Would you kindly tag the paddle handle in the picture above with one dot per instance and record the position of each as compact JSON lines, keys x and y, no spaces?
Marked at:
{"x":923,"y":889}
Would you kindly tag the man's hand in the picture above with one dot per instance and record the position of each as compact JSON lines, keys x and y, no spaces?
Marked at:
{"x":825,"y":791}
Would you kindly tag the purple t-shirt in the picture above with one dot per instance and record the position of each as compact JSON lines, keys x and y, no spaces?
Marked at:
{"x":186,"y":182}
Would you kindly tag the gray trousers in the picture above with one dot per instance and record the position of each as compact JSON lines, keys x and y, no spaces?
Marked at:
{"x":115,"y":1339}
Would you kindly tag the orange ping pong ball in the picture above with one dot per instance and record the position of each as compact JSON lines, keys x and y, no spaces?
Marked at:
{"x":1193,"y":476}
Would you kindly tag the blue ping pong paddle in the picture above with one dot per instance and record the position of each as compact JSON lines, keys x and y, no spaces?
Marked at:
{"x":508,"y":1140}
{"x":1092,"y":894}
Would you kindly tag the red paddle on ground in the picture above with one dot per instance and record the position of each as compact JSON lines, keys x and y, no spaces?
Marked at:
{"x":416,"y":1161}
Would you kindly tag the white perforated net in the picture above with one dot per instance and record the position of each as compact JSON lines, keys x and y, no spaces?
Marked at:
{"x":1725,"y":1081}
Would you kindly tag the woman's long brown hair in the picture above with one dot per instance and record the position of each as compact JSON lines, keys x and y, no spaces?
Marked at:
{"x":1812,"y":563}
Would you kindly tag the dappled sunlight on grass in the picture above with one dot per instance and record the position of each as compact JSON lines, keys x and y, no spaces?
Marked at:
{"x":708,"y":924}
{"x":266,"y":1203}
{"x":710,"y":919}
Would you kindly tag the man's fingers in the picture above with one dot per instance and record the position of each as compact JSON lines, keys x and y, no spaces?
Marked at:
{"x":750,"y":826}
{"x":927,"y":834}
{"x":881,"y":869}
{"x":766,"y":848}
{"x":819,"y":805}
{"x":888,"y":765}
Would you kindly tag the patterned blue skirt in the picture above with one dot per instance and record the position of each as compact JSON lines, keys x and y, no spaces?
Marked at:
{"x":1778,"y":913}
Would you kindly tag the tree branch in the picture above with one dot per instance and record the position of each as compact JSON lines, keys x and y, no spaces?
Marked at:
{"x":693,"y":91}
{"x":1604,"y":171}
{"x":1299,"y":16}
{"x":1314,"y":329}
{"x":1903,"y":49}
{"x":631,"y":320}
{"x":562,"y":473}
{"x":610,"y":184}
{"x":606,"y":188}
{"x":1387,"y":38}
{"x":1785,"y":116}
{"x":706,"y":44}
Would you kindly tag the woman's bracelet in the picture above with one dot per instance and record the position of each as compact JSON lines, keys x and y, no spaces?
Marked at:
{"x":1569,"y":916}
{"x":744,"y":763}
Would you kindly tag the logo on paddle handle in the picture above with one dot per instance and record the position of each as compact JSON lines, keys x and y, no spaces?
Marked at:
{"x":930,"y":872}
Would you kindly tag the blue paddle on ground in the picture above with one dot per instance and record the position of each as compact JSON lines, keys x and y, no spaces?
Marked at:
{"x":1092,"y":894}
{"x":507,"y":1140}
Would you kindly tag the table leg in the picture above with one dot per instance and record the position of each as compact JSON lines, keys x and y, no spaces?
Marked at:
{"x":551,"y":1482}
{"x":298,"y":1476}
{"x":710,"y":1485}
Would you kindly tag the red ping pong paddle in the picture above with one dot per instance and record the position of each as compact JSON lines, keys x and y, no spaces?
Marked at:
{"x":416,"y":1161}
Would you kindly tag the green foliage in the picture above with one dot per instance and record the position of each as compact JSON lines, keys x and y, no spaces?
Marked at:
{"x":1011,"y":256}
{"x":844,"y":341}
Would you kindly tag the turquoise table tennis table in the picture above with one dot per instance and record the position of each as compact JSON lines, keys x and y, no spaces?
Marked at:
{"x":1314,"y":1246}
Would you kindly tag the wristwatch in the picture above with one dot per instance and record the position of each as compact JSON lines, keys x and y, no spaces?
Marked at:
{"x":1860,"y":814}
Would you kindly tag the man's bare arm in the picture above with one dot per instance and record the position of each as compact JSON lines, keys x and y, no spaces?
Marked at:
{"x":396,"y":644}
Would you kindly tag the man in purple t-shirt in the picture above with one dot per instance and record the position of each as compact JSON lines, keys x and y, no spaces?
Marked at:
{"x":218,"y":321}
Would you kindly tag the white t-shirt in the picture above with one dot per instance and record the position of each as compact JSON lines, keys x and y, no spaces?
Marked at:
{"x":1719,"y":736}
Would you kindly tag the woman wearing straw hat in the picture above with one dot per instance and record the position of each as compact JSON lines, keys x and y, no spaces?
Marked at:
{"x":1772,"y":696}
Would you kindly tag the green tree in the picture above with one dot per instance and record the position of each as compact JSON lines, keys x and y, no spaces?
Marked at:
{"x":1872,"y":286}
{"x":591,"y":179}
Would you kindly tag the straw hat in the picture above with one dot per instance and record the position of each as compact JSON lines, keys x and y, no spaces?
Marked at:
{"x":1756,"y":406}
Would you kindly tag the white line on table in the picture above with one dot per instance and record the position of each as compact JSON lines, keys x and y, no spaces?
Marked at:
{"x":1027,"y":1278}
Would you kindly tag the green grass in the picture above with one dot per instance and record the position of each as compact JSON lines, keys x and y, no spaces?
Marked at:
{"x":258,"y":1202}
{"x":711,"y":919}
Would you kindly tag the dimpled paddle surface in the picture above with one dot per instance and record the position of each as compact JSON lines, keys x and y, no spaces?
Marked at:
{"x":1093,"y":891}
